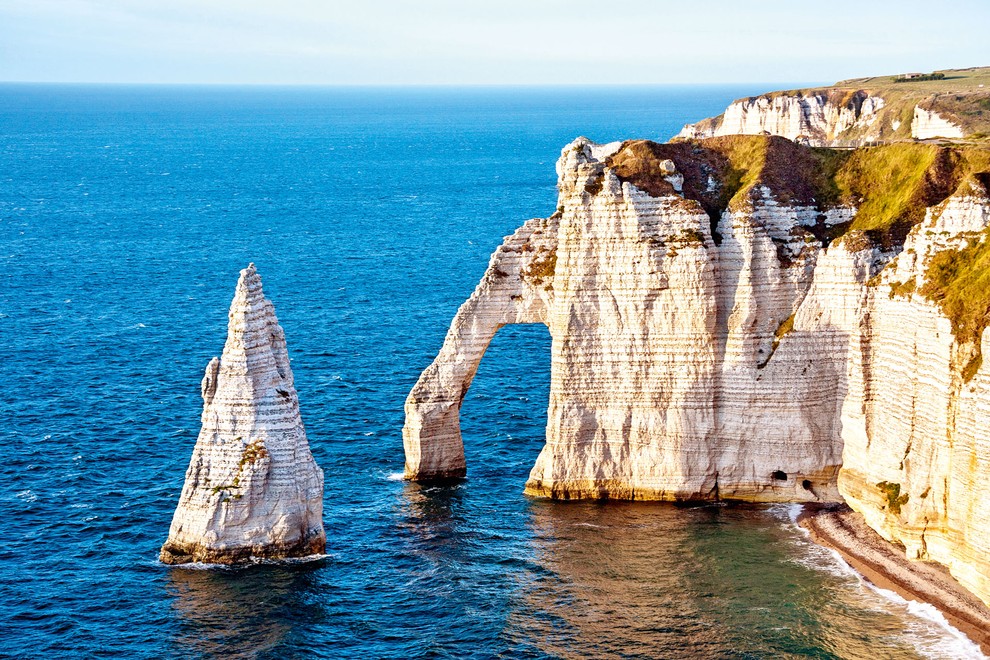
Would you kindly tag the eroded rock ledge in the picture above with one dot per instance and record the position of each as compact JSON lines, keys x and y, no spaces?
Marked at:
{"x":741,"y":317}
{"x":252,"y":489}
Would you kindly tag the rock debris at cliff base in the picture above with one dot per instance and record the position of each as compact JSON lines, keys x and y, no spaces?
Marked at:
{"x":885,"y":565}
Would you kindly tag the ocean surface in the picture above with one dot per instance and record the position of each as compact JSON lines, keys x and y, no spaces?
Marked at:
{"x":125,"y":216}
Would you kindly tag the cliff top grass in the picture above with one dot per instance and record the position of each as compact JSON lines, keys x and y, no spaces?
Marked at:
{"x":724,"y":172}
{"x":955,"y":80}
{"x":890,"y":185}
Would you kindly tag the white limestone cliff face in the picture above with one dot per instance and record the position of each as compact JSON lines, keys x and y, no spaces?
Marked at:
{"x":916,"y":461}
{"x":929,"y":124}
{"x":820,"y":118}
{"x":748,"y":369}
{"x":667,"y":381}
{"x":252,"y":489}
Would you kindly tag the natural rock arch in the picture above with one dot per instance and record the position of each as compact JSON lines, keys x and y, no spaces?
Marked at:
{"x":516,"y":288}
{"x":667,"y":382}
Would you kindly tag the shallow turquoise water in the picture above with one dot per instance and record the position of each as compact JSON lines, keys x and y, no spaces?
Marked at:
{"x":125,"y":214}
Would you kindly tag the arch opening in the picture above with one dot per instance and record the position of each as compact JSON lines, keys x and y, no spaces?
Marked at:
{"x":504,"y":413}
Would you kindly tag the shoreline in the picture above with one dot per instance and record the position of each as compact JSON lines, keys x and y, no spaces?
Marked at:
{"x":884,"y":564}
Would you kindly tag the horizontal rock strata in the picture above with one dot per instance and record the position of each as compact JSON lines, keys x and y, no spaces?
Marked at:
{"x":916,"y":459}
{"x":738,"y":318}
{"x":818,"y":118}
{"x":252,"y":489}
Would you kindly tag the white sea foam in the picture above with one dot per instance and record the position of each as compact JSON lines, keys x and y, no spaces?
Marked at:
{"x":954,"y":645}
{"x":396,"y":476}
{"x":927,"y":631}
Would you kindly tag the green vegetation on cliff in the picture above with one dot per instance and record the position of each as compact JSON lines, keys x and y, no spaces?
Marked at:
{"x":892,"y":493}
{"x":890,"y":185}
{"x":959,"y":282}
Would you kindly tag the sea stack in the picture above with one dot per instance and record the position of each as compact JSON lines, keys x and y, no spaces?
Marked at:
{"x":253,"y":489}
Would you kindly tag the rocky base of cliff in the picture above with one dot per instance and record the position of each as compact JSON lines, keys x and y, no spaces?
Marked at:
{"x":819,"y":487}
{"x":178,"y":553}
{"x":884,"y":564}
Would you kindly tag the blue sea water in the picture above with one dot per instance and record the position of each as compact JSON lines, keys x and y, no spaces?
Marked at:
{"x":125,"y":215}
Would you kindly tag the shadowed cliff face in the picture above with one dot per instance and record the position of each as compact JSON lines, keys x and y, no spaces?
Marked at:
{"x":737,"y":318}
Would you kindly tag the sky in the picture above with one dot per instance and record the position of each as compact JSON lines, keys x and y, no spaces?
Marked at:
{"x":495,"y":42}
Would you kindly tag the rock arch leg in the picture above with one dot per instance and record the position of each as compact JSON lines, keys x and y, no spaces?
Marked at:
{"x":516,"y":288}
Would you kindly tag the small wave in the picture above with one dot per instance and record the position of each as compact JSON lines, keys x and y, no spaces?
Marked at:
{"x":395,"y":476}
{"x":955,"y":645}
{"x":950,"y":642}
{"x":27,"y":496}
{"x":198,"y":566}
{"x":297,"y":560}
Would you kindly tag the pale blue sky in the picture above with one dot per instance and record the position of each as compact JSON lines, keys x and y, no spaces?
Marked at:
{"x":495,"y":42}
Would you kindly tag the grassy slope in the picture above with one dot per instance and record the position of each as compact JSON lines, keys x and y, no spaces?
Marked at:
{"x":958,"y":96}
{"x":891,"y":185}
{"x":955,"y":80}
{"x":959,"y":282}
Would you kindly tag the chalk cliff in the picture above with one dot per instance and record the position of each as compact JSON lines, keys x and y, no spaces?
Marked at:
{"x":738,"y":318}
{"x":821,"y":118}
{"x":928,"y":124}
{"x":916,"y":460}
{"x":252,"y":489}
{"x":866,"y":110}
